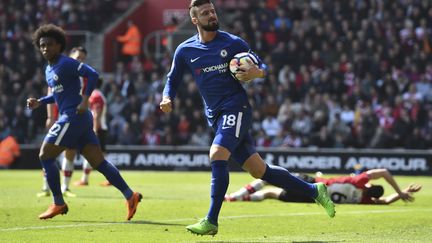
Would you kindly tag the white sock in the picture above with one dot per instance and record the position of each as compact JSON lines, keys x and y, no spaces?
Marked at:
{"x":250,"y":188}
{"x":67,"y":167}
{"x":86,"y":171}
{"x":45,"y":186}
{"x":257,"y":196}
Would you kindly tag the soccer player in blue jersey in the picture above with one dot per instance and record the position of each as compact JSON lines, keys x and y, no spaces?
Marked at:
{"x":206,"y":55}
{"x":74,"y":127}
{"x":67,"y":164}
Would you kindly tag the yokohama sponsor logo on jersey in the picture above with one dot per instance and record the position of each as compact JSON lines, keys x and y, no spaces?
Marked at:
{"x":220,"y":67}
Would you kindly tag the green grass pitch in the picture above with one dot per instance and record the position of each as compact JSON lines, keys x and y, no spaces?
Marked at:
{"x":173,"y":200}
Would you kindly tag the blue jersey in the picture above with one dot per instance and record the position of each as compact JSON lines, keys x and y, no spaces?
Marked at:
{"x":71,"y":130}
{"x":209,"y":64}
{"x":63,"y":79}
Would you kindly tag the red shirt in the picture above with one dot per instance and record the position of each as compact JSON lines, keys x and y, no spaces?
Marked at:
{"x":97,"y":102}
{"x":359,"y":181}
{"x":55,"y":112}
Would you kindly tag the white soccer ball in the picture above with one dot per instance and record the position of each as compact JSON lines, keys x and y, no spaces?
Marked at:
{"x":241,"y":58}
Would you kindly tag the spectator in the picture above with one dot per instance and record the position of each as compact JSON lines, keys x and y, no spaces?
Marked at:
{"x":271,"y":126}
{"x":9,"y":151}
{"x":369,"y":62}
{"x":131,"y":41}
{"x":151,"y":137}
{"x":200,"y":137}
{"x":126,"y":135}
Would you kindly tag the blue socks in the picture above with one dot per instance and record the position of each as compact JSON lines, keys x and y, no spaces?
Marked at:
{"x":112,"y":174}
{"x":281,"y":177}
{"x":219,"y":186}
{"x":53,"y":178}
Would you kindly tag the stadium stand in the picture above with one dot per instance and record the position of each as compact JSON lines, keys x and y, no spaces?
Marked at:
{"x":341,"y":74}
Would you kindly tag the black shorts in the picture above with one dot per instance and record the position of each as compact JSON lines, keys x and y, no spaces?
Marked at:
{"x":304,"y":177}
{"x":101,"y":134}
{"x":290,"y":196}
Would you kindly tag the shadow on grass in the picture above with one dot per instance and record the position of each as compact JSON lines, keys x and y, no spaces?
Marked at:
{"x":236,"y":241}
{"x":120,"y":223}
{"x":98,"y":197}
{"x":270,"y":241}
{"x":316,"y":241}
{"x":224,"y":241}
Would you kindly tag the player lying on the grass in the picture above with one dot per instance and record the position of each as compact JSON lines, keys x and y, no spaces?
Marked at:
{"x":344,"y":189}
{"x":74,"y":127}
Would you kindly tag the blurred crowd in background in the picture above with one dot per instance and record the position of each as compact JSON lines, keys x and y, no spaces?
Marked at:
{"x":342,"y":74}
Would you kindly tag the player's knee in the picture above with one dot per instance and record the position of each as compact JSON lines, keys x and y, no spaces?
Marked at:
{"x":95,"y":163}
{"x":256,"y":174}
{"x":43,"y":156}
{"x":218,"y":153}
{"x":256,"y":171}
{"x":255,"y":166}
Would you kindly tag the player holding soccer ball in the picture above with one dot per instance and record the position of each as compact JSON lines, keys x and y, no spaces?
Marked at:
{"x":206,"y":55}
{"x":74,"y":127}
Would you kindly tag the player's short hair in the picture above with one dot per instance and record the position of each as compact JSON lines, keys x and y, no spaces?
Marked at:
{"x":52,"y":31}
{"x":375,"y":191}
{"x":197,"y":3}
{"x":78,"y":48}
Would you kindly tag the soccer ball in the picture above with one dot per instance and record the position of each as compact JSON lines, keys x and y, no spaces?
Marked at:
{"x":241,"y":58}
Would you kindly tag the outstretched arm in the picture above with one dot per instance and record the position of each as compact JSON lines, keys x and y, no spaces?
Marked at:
{"x":174,"y":79}
{"x":394,"y":197}
{"x":384,"y":173}
{"x":33,"y":103}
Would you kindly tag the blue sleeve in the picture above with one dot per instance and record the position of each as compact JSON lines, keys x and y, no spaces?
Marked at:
{"x":92,"y":76}
{"x":49,"y":99}
{"x":261,"y":65}
{"x":76,"y":68}
{"x":244,"y":47}
{"x":175,"y":76}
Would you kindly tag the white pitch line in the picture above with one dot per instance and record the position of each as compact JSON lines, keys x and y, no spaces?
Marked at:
{"x":225,"y":217}
{"x":306,"y":214}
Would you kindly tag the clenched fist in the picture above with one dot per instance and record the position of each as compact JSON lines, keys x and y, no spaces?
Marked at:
{"x":33,"y":103}
{"x":166,"y":105}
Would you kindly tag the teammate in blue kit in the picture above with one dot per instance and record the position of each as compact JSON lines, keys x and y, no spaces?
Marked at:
{"x":206,"y":55}
{"x":74,"y":127}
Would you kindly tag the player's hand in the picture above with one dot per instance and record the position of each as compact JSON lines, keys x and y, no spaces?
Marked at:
{"x":33,"y":103}
{"x":246,"y":72}
{"x":83,"y":107}
{"x":406,"y":196}
{"x":413,"y":188}
{"x":166,"y":104}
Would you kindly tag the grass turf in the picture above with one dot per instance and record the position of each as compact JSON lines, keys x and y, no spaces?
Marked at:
{"x":173,"y":200}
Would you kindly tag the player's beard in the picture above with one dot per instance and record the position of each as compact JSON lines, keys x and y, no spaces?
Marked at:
{"x":211,"y":26}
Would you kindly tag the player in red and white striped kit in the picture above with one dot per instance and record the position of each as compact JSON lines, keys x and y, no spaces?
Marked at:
{"x":344,"y":189}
